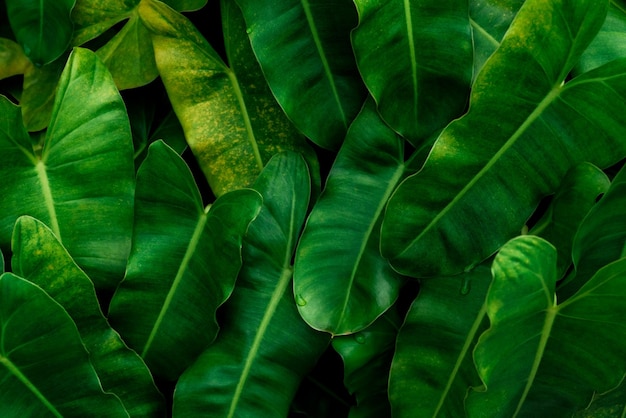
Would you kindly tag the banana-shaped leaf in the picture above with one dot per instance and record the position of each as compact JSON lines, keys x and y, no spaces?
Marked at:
{"x":232,"y":125}
{"x":44,"y":368}
{"x":182,"y":266}
{"x":490,"y":20}
{"x":432,"y":366}
{"x":340,"y":280}
{"x":577,"y":194}
{"x":42,"y":27}
{"x":418,"y":68}
{"x":540,"y":358}
{"x":41,"y":259}
{"x":81,"y":184}
{"x":305,"y":52}
{"x":610,"y":42}
{"x":601,"y":238}
{"x":367,"y":357}
{"x":488,"y":171}
{"x":264,"y":348}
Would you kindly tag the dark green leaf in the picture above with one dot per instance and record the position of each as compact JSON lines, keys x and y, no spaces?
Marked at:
{"x":305,"y":53}
{"x":42,"y":27}
{"x":41,"y":259}
{"x":418,"y":68}
{"x":488,"y":171}
{"x":81,"y":184}
{"x":44,"y":368}
{"x":342,"y":283}
{"x":264,"y":348}
{"x":182,"y":266}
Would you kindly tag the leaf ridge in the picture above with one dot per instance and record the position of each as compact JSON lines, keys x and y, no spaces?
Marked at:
{"x":48,"y":198}
{"x":409,"y":29}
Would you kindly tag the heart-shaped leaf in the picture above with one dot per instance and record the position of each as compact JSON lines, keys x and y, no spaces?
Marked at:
{"x":432,"y":366}
{"x":488,"y":171}
{"x":41,"y":259}
{"x":81,"y":184}
{"x":341,"y":281}
{"x":419,"y":68}
{"x":540,"y":358}
{"x":182,"y":266}
{"x":42,"y":27}
{"x":305,"y":52}
{"x":44,"y":368}
{"x":247,"y":371}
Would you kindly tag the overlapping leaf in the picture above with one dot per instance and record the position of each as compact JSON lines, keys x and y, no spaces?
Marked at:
{"x":44,"y":368}
{"x":488,"y":170}
{"x":182,"y":266}
{"x":264,"y":348}
{"x":432,"y":366}
{"x":540,"y":358}
{"x":418,"y":68}
{"x":81,"y":183}
{"x":340,"y":279}
{"x":41,"y":259}
{"x":305,"y":52}
{"x":42,"y":27}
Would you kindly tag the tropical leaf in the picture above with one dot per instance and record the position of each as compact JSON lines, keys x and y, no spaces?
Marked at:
{"x":41,"y":259}
{"x":340,"y":280}
{"x":432,"y":366}
{"x":38,"y":93}
{"x":610,"y":43}
{"x":42,"y":27}
{"x":419,"y":68}
{"x":305,"y":52}
{"x":182,"y":266}
{"x":606,"y":405}
{"x":490,"y":19}
{"x":576,"y":195}
{"x":44,"y":368}
{"x":81,"y":184}
{"x":540,"y":358}
{"x":600,"y":239}
{"x":488,"y":171}
{"x":13,"y":61}
{"x":247,"y":371}
{"x":367,"y":357}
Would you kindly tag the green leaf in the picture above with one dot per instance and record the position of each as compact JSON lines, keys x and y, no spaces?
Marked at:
{"x":41,"y":259}
{"x":186,"y":5}
{"x":490,"y":19}
{"x":601,"y":238}
{"x":42,"y":27}
{"x":577,"y":194}
{"x":415,"y":57}
{"x":610,"y":43}
{"x":39,"y":91}
{"x":432,"y":366}
{"x":488,"y":171}
{"x":305,"y":52}
{"x":12,"y":59}
{"x":182,"y":266}
{"x":539,"y":358}
{"x":93,"y":17}
{"x":606,"y":405}
{"x":81,"y":184}
{"x":367,"y":357}
{"x":340,"y":280}
{"x":44,"y":368}
{"x":231,"y":122}
{"x":248,"y":371}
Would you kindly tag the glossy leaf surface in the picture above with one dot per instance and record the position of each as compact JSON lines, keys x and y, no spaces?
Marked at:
{"x":467,"y":200}
{"x":41,"y":259}
{"x":81,"y":184}
{"x":182,"y":266}
{"x":419,"y":68}
{"x":539,"y":357}
{"x":42,"y":27}
{"x":39,"y":346}
{"x":339,"y":276}
{"x":264,"y":348}
{"x":432,"y":366}
{"x":305,"y":52}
